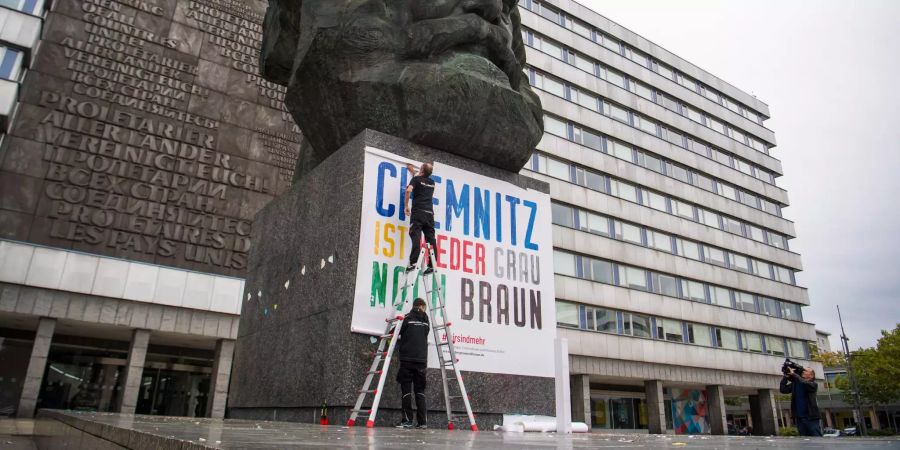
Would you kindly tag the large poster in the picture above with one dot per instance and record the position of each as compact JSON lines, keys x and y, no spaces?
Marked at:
{"x":495,"y":264}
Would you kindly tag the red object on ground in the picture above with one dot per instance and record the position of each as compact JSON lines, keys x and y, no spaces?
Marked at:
{"x":370,"y":424}
{"x":323,"y":421}
{"x":474,"y":427}
{"x":450,"y":426}
{"x":351,"y":422}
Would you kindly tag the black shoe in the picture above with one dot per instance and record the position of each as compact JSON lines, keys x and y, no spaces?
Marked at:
{"x":405,"y":424}
{"x":410,"y":267}
{"x":429,"y":270}
{"x":421,"y":427}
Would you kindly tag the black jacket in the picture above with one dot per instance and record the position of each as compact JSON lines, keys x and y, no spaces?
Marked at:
{"x":811,"y":387}
{"x":413,"y":341}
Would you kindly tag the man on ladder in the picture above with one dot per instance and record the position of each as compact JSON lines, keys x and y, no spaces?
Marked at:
{"x":413,"y":349}
{"x":421,"y":220}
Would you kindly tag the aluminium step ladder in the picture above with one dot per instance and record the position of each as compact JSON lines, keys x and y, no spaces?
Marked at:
{"x":454,"y":388}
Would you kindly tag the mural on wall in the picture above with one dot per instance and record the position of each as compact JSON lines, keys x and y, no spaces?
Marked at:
{"x":689,"y":414}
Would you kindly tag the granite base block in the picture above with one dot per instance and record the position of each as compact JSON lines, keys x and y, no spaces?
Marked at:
{"x":294,"y":349}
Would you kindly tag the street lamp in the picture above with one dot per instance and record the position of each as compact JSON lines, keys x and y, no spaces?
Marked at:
{"x":845,"y":343}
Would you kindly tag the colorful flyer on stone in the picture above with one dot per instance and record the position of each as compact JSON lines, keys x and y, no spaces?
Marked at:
{"x":495,"y":265}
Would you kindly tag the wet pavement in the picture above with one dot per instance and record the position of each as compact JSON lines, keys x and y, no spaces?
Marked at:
{"x":186,"y":433}
{"x":15,"y":434}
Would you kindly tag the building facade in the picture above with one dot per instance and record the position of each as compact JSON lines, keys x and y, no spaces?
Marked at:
{"x":142,"y":141}
{"x":674,"y":276}
{"x":138,"y":148}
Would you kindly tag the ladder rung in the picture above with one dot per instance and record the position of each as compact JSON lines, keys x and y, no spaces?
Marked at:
{"x":362,"y":411}
{"x":442,"y":327}
{"x":444,"y":343}
{"x":368,"y":391}
{"x":384,"y":336}
{"x":374,"y":372}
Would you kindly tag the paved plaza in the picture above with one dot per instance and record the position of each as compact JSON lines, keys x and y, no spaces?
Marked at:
{"x":139,"y":432}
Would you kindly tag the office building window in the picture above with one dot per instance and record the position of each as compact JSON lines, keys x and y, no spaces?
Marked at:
{"x":726,"y":339}
{"x":688,"y":249}
{"x":775,"y":346}
{"x":659,"y":241}
{"x":33,"y":7}
{"x":683,"y":209}
{"x":605,"y":320}
{"x":797,"y":349}
{"x":669,"y":330}
{"x":714,"y":255}
{"x":566,"y":314}
{"x":693,"y":290}
{"x":751,"y":342}
{"x":599,"y":271}
{"x":593,"y":223}
{"x":665,"y":284}
{"x":621,"y":151}
{"x":624,"y":190}
{"x":10,"y":63}
{"x":637,"y":325}
{"x":699,"y":334}
{"x":562,"y":215}
{"x":655,"y":201}
{"x":791,"y":311}
{"x":744,"y":301}
{"x":720,"y":296}
{"x":556,"y":127}
{"x":633,"y":278}
{"x":769,"y":307}
{"x":564,"y":264}
{"x":628,"y":232}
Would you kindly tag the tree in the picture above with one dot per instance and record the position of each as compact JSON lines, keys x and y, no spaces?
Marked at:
{"x":830,"y":359}
{"x":877,"y":371}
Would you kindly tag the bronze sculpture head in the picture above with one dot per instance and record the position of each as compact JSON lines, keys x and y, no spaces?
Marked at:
{"x":442,"y":73}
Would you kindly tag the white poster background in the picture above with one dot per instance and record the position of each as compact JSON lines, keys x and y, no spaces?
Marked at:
{"x":519,"y":342}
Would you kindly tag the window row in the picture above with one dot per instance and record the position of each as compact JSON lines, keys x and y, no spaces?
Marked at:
{"x":583,"y":317}
{"x":10,"y":64}
{"x":579,"y":219}
{"x":642,"y":59}
{"x":607,"y":272}
{"x":33,"y":7}
{"x":605,"y":144}
{"x":617,"y":188}
{"x":619,"y":79}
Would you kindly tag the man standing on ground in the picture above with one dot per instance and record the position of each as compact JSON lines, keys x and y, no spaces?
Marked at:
{"x":804,"y":407}
{"x":413,"y":343}
{"x":421,"y":220}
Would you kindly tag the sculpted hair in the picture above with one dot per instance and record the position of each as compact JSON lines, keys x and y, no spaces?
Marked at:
{"x":281,"y":35}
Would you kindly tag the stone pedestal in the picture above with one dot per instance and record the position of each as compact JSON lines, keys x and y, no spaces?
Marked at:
{"x":294,"y":349}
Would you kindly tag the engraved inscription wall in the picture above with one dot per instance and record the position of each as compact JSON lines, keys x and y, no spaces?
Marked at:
{"x":145,"y":132}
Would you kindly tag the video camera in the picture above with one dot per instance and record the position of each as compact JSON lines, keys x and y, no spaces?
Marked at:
{"x":788,"y":365}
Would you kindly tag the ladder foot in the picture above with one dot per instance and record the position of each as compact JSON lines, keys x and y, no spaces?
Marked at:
{"x":450,"y":426}
{"x":351,"y":423}
{"x":474,"y":427}
{"x":370,"y":424}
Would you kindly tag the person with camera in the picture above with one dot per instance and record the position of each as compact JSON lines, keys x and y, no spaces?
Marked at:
{"x":804,"y":407}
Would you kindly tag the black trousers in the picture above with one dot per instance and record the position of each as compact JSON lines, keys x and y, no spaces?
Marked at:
{"x":809,"y":427}
{"x":420,"y":223}
{"x":412,"y":383}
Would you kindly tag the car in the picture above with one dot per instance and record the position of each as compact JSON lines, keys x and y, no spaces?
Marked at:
{"x":830,"y":432}
{"x":850,"y":431}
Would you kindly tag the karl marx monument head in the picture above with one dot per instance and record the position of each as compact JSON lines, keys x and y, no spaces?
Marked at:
{"x":442,"y":73}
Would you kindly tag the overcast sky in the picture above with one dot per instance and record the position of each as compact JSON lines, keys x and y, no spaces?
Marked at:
{"x":828,"y":70}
